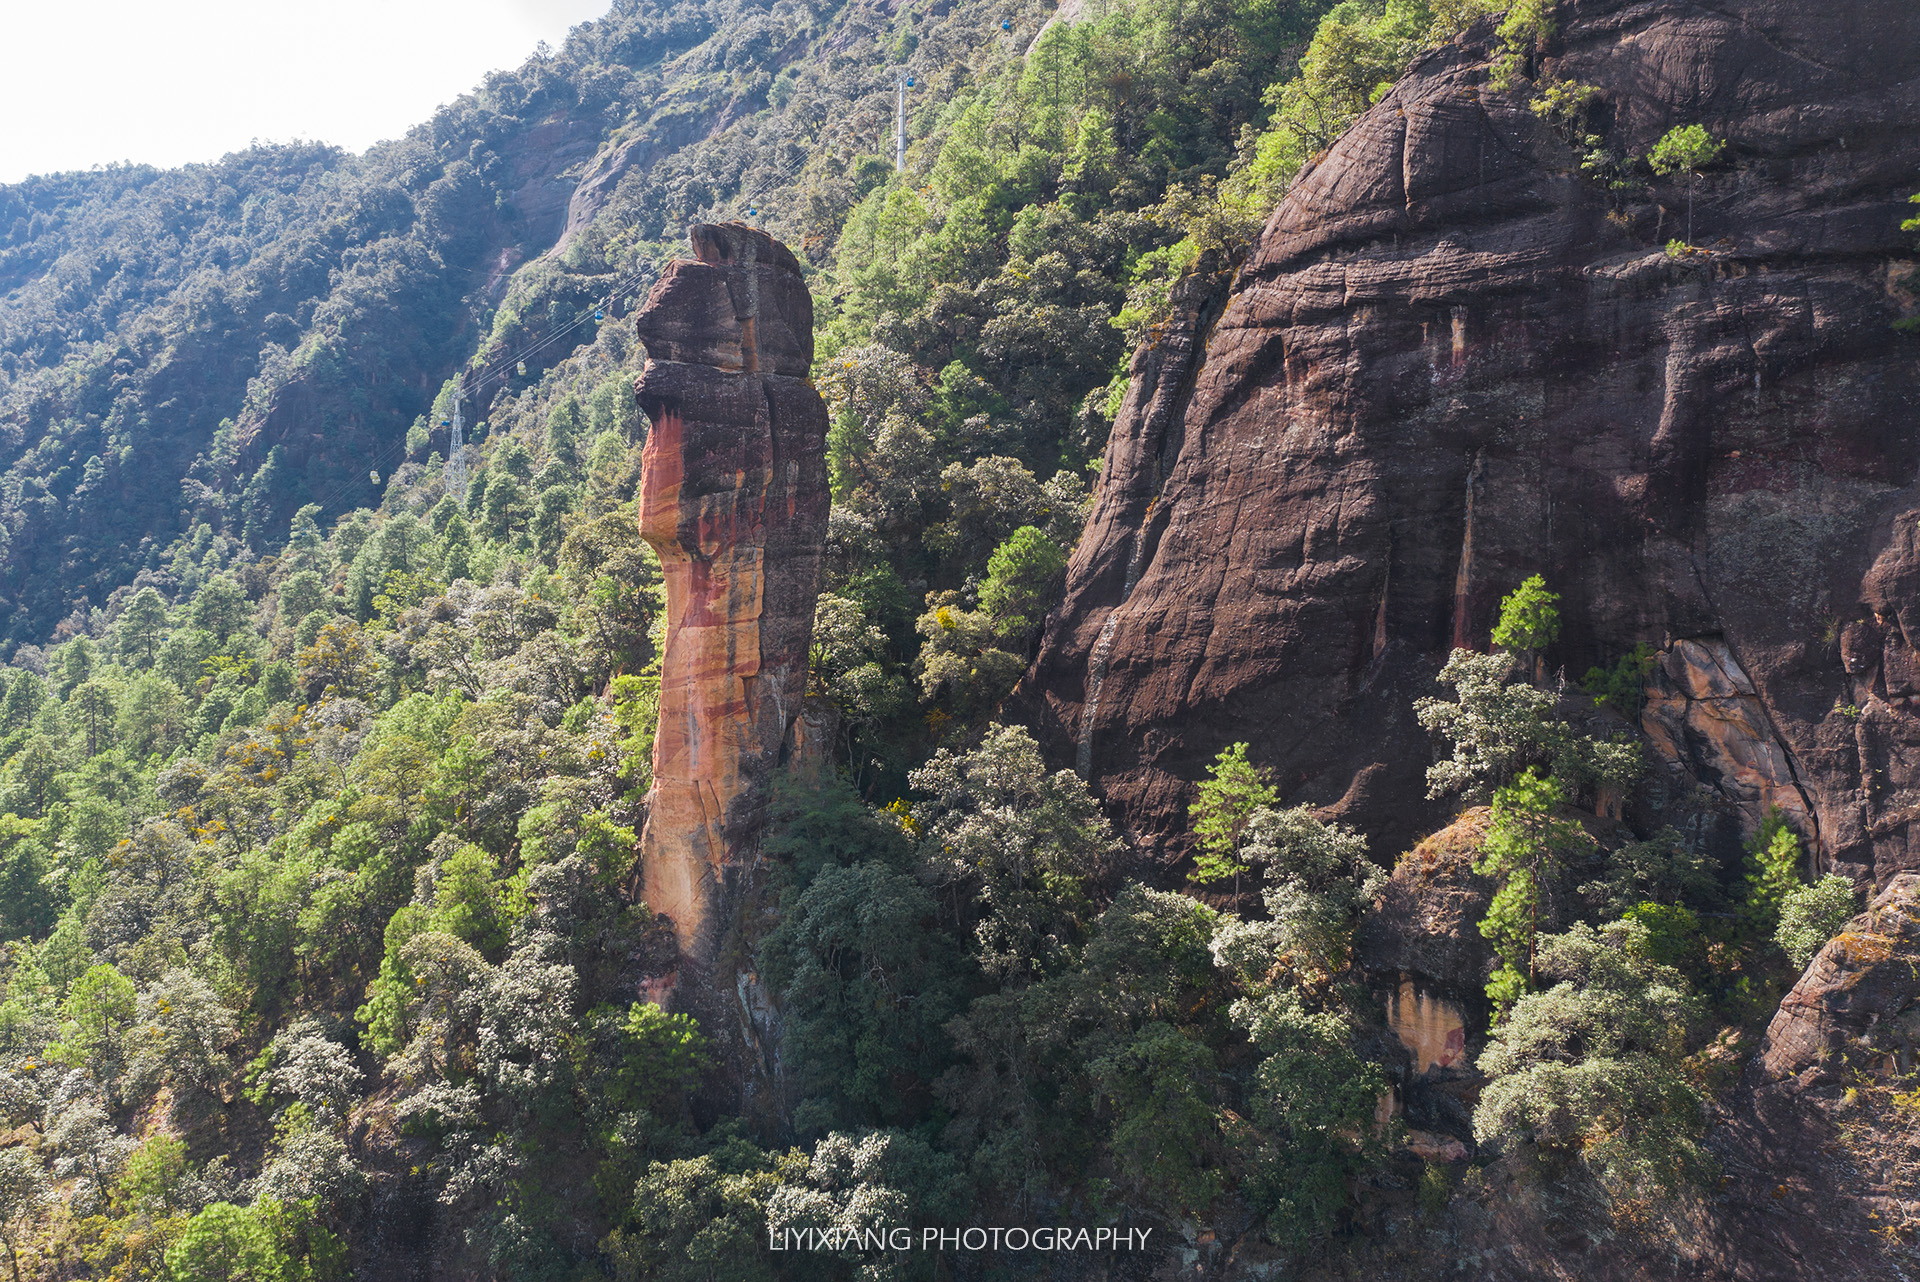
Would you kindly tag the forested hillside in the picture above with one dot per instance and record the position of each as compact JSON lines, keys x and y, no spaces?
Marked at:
{"x":322,"y":782}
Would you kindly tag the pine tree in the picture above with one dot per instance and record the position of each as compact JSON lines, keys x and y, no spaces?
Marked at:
{"x":1773,"y":864}
{"x":1529,"y":620}
{"x":1233,"y":789}
{"x":1524,"y":849}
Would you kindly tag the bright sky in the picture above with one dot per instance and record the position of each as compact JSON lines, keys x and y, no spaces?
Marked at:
{"x":167,"y":82}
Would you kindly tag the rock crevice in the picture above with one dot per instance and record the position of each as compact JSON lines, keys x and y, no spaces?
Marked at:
{"x":1705,"y":719}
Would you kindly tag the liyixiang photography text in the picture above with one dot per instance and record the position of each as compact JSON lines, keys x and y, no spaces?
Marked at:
{"x":976,"y":1238}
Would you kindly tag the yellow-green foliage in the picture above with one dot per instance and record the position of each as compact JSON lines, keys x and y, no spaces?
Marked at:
{"x":1685,"y":149}
{"x":664,"y":1056}
{"x":1060,"y":127}
{"x":1564,"y":102}
{"x":1773,"y":871}
{"x":1359,"y":50}
{"x":1529,"y":617}
{"x":1233,"y":789}
{"x":1529,"y":24}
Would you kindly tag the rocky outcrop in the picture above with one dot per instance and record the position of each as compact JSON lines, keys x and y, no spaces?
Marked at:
{"x":733,"y":497}
{"x":1421,"y":947}
{"x":1816,"y":1144}
{"x":1857,"y":1007}
{"x":1817,"y":1156}
{"x":1705,"y":718}
{"x":1426,"y":923}
{"x":1453,"y":360}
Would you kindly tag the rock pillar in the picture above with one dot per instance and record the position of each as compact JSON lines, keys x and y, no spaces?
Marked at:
{"x":733,"y":498}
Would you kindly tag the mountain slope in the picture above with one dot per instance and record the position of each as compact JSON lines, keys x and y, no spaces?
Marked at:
{"x":327,"y":946}
{"x":162,"y":334}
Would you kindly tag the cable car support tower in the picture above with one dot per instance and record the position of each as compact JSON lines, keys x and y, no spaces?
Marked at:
{"x":457,"y":452}
{"x":902,"y":81}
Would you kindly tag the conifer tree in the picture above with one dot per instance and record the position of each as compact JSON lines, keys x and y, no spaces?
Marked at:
{"x":1529,"y":621}
{"x":1233,"y":789}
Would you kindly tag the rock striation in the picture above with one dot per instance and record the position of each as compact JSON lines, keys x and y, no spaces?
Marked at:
{"x":733,"y":498}
{"x":1455,"y":359}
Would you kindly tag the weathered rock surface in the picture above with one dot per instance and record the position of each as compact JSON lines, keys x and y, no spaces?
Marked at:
{"x":601,"y":176}
{"x":1814,"y":1180}
{"x":1433,"y":1029}
{"x":1820,"y":1177}
{"x":1857,"y":1007}
{"x":1426,"y":924}
{"x":733,"y":497}
{"x":1420,"y":945}
{"x":1703,"y":714}
{"x":1453,"y":361}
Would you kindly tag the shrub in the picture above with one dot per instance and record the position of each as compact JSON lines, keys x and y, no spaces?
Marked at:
{"x":1811,"y":915}
{"x":1592,"y":1069}
{"x":1622,"y":686}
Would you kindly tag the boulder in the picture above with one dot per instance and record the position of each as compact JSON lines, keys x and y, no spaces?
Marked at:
{"x":1424,"y":931}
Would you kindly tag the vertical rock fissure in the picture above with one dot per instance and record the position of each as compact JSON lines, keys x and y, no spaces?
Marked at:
{"x":1463,"y":577}
{"x":1096,"y":676}
{"x":1779,"y":744}
{"x":1704,"y":713}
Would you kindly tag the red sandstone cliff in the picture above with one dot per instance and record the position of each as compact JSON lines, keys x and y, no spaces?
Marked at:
{"x":1452,"y":361}
{"x":733,"y":497}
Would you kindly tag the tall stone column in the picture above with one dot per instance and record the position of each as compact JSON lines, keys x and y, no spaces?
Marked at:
{"x":733,"y":498}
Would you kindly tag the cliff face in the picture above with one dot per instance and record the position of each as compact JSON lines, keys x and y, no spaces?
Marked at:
{"x":734,"y":499}
{"x":1453,"y":361}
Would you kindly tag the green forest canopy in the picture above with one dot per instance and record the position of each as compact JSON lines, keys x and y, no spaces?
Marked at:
{"x":320,"y":787}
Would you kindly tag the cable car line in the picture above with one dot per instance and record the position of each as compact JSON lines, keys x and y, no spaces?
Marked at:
{"x":496,"y":371}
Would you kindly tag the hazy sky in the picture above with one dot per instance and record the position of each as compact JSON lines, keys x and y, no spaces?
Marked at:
{"x":171,"y":81}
